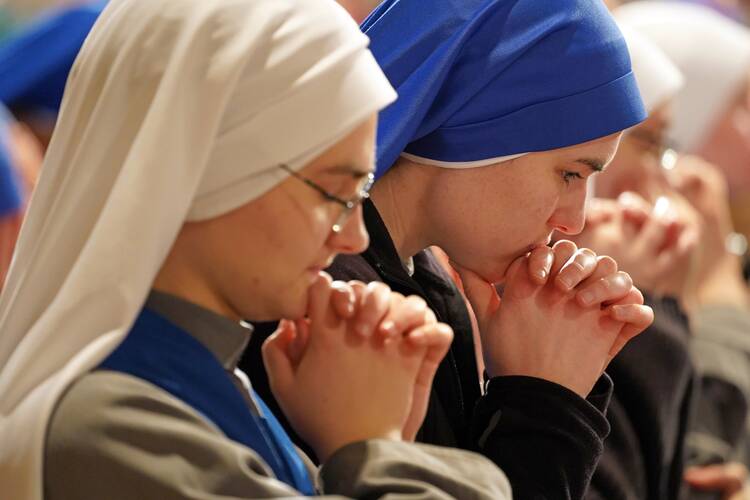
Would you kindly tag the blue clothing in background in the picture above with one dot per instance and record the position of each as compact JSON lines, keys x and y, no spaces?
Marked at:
{"x":11,"y":194}
{"x":35,"y":59}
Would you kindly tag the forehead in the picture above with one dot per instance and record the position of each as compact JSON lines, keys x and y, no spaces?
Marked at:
{"x":597,"y":151}
{"x":356,"y":151}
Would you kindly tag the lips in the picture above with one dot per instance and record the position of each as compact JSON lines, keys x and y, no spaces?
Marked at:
{"x":541,"y":243}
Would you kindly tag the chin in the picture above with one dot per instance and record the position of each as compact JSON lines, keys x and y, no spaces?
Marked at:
{"x":291,"y":306}
{"x":488,"y":271}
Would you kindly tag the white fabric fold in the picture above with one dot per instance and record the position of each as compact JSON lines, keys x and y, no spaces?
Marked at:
{"x":711,"y":51}
{"x":658,"y":78}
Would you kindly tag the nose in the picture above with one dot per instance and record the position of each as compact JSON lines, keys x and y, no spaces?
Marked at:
{"x":570,"y":215}
{"x":353,"y":237}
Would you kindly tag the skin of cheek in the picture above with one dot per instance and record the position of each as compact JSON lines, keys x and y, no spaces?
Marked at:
{"x":269,"y":245}
{"x":728,"y":146}
{"x":491,"y":215}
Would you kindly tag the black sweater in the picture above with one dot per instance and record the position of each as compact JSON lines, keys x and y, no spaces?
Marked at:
{"x":645,"y":452}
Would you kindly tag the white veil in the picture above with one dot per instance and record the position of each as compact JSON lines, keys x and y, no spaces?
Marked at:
{"x":174,"y":110}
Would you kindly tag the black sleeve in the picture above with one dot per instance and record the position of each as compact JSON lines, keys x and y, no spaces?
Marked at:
{"x":653,"y":382}
{"x":546,"y":438}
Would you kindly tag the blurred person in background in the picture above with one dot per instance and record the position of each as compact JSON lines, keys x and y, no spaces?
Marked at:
{"x":674,"y":212}
{"x":20,"y":160}
{"x":739,"y":10}
{"x":712,"y":120}
{"x":359,"y":9}
{"x":712,"y":110}
{"x":12,"y":196}
{"x":35,"y":59}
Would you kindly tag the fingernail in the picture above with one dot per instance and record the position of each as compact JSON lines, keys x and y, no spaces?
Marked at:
{"x":387,"y":327}
{"x":542,"y":274}
{"x":587,"y":297}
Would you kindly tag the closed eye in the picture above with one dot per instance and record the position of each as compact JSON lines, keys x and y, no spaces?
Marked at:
{"x":568,"y":176}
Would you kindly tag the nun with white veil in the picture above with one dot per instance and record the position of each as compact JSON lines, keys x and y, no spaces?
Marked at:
{"x":711,"y":116}
{"x":655,"y":215}
{"x":209,"y":162}
{"x":712,"y":110}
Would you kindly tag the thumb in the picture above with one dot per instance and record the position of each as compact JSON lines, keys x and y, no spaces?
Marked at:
{"x":481,"y":294}
{"x":728,"y":477}
{"x":319,"y":298}
{"x":276,"y":357}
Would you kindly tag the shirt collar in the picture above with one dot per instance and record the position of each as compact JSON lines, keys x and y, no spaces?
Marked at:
{"x":224,"y":337}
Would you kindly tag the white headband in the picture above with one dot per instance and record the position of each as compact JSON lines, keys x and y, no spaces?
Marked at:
{"x":460,"y":164}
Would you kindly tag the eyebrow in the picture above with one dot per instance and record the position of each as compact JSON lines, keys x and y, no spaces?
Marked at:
{"x":595,"y":164}
{"x":355,"y":172}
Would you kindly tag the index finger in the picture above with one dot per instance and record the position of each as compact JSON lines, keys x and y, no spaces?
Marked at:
{"x":579,"y":266}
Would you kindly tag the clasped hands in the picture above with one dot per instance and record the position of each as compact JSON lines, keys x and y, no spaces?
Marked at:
{"x":564,"y":313}
{"x":359,"y":366}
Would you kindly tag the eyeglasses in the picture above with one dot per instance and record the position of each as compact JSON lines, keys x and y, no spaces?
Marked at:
{"x":663,"y":149}
{"x":363,"y":192}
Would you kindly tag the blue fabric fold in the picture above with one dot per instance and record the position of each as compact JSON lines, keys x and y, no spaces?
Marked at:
{"x":480,"y":79}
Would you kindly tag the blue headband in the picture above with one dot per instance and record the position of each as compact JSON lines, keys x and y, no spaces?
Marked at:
{"x":480,"y":79}
{"x":10,"y":190}
{"x":36,"y":59}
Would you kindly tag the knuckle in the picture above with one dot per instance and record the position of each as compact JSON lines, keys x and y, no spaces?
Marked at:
{"x":602,"y":286}
{"x":416,"y":301}
{"x":376,"y":285}
{"x":565,"y":245}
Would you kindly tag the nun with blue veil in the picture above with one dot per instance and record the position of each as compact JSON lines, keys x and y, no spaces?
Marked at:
{"x":505,"y":109}
{"x":209,"y":161}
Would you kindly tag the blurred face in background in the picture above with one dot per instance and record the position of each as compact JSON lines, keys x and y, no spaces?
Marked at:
{"x":728,"y":143}
{"x":642,"y":159}
{"x":728,"y":147}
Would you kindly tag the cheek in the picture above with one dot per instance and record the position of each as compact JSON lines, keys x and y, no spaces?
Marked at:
{"x":729,"y":149}
{"x":296,"y":244}
{"x":741,"y":138}
{"x":534,"y":210}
